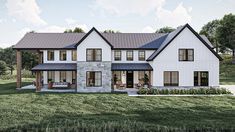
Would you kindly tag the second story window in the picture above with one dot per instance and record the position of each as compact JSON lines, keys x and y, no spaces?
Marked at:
{"x":186,"y":54}
{"x":129,"y":55}
{"x":74,"y":55}
{"x":117,"y":55}
{"x":63,"y":55}
{"x":94,"y":55}
{"x":50,"y":55}
{"x":142,"y":55}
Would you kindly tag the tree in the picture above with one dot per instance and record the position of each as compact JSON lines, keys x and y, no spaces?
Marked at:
{"x":3,"y":67}
{"x":30,"y":60}
{"x":209,"y":30}
{"x":9,"y":58}
{"x":226,"y":33}
{"x":165,"y":30}
{"x":76,"y":30}
{"x":111,"y":31}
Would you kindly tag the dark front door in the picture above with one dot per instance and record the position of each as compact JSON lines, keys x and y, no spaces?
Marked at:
{"x":129,"y":79}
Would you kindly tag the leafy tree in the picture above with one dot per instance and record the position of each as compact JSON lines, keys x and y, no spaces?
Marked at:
{"x":226,"y":33}
{"x":29,"y":60}
{"x":3,"y":67}
{"x":76,"y":30}
{"x":165,"y":30}
{"x":111,"y":31}
{"x":209,"y":30}
{"x":9,"y":58}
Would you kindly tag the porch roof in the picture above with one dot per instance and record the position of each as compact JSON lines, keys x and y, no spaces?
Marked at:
{"x":131,"y":67}
{"x":55,"y":67}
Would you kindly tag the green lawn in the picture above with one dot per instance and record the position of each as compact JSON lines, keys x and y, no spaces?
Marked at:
{"x":111,"y":112}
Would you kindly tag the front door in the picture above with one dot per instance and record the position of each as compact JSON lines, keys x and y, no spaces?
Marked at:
{"x":129,"y":79}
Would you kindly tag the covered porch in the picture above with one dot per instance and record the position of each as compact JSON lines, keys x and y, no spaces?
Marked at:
{"x":131,"y":75}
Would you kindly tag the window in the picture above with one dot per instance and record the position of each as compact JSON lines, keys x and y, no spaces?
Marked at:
{"x":74,"y":55}
{"x":171,"y":78}
{"x":141,"y":75}
{"x":117,"y":55}
{"x":186,"y":55}
{"x":63,"y":55}
{"x":93,"y":79}
{"x":118,"y":74}
{"x":201,"y":78}
{"x":94,"y":54}
{"x":142,"y":55}
{"x":62,"y":76}
{"x":74,"y":77}
{"x":129,"y":55}
{"x":50,"y":76}
{"x":50,"y":55}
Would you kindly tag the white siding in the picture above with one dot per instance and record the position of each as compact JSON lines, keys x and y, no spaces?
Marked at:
{"x":94,"y":41}
{"x":57,"y":57}
{"x":204,"y":60}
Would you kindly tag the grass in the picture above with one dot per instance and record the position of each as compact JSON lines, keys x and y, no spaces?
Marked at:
{"x":112,"y":112}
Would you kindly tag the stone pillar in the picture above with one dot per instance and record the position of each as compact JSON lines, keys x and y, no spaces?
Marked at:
{"x":18,"y":68}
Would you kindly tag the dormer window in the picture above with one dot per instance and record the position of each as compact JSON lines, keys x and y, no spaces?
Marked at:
{"x":186,"y":54}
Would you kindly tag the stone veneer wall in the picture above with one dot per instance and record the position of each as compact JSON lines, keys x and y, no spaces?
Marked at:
{"x":104,"y":67}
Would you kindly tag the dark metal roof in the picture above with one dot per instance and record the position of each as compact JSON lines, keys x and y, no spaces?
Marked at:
{"x":69,"y":40}
{"x":131,"y":67}
{"x":55,"y":67}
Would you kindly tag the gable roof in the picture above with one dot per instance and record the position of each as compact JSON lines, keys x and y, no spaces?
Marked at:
{"x":171,"y":36}
{"x":93,"y":29}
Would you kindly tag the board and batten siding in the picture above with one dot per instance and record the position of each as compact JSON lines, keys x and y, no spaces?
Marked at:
{"x":204,"y":60}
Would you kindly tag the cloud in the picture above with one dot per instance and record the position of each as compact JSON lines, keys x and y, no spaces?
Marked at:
{"x":70,"y":21}
{"x":179,"y":16}
{"x":148,"y":29}
{"x":25,"y":10}
{"x":23,"y":31}
{"x":124,"y":7}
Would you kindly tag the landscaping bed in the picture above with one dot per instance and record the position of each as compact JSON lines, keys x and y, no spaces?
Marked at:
{"x":177,"y":91}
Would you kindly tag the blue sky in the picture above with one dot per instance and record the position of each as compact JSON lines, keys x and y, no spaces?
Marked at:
{"x":20,"y":16}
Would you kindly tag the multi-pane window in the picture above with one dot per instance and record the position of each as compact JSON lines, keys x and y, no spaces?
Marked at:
{"x":74,"y":77}
{"x":186,"y":54}
{"x":117,"y":55}
{"x":50,"y":55}
{"x":62,"y":76}
{"x":141,"y":74}
{"x":201,"y":78}
{"x":118,"y":75}
{"x":74,"y":55}
{"x":141,"y":55}
{"x":93,"y":79}
{"x":63,"y":55}
{"x":171,"y":78}
{"x":129,"y":55}
{"x":51,"y":76}
{"x":94,"y":54}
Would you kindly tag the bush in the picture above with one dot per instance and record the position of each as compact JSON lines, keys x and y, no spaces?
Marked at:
{"x":192,"y":91}
{"x":3,"y":67}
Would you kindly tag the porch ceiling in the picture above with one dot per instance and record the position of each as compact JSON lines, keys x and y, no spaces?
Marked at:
{"x":55,"y":67}
{"x":131,"y":67}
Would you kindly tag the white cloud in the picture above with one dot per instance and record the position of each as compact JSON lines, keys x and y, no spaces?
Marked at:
{"x":148,"y":29}
{"x":23,"y":31}
{"x":70,"y":21}
{"x":25,"y":10}
{"x":179,"y":16}
{"x":4,"y":45}
{"x":123,"y":7}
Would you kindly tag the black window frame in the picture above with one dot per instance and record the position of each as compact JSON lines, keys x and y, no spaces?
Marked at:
{"x":186,"y":55}
{"x":139,"y":57}
{"x":93,"y":54}
{"x":115,"y":57}
{"x":52,"y":51}
{"x":61,"y":57}
{"x":131,"y":55}
{"x":171,"y":84}
{"x":201,"y":84}
{"x":100,"y":79}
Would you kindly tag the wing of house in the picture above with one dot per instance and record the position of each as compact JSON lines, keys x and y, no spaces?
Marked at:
{"x":96,"y":62}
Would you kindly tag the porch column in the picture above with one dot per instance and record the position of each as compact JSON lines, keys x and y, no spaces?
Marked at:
{"x":150,"y":78}
{"x":18,"y":68}
{"x":40,"y":73}
{"x":38,"y":81}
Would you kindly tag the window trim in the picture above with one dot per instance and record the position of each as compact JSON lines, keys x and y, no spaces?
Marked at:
{"x":72,"y":55}
{"x":139,"y":55}
{"x":208,"y":77}
{"x":127,"y":54}
{"x":52,"y":77}
{"x":48,"y":55}
{"x":93,"y":49}
{"x":100,"y":79}
{"x":170,"y":78}
{"x":187,"y":59}
{"x":115,"y":55}
{"x":65,"y":55}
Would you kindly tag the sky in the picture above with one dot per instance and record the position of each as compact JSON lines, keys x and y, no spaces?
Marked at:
{"x":18,"y":17}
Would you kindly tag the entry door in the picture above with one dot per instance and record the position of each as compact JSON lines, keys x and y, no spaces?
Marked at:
{"x":129,"y":79}
{"x":201,"y":78}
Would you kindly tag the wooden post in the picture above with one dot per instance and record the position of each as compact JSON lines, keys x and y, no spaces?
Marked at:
{"x":37,"y":80}
{"x":150,"y":78}
{"x":18,"y":68}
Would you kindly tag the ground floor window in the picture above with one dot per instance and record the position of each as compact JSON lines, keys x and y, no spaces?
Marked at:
{"x":74,"y":77}
{"x":201,"y":78}
{"x":93,"y":79}
{"x":117,"y":76}
{"x":62,"y":76}
{"x":51,"y":76}
{"x":141,"y":74}
{"x":171,"y":78}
